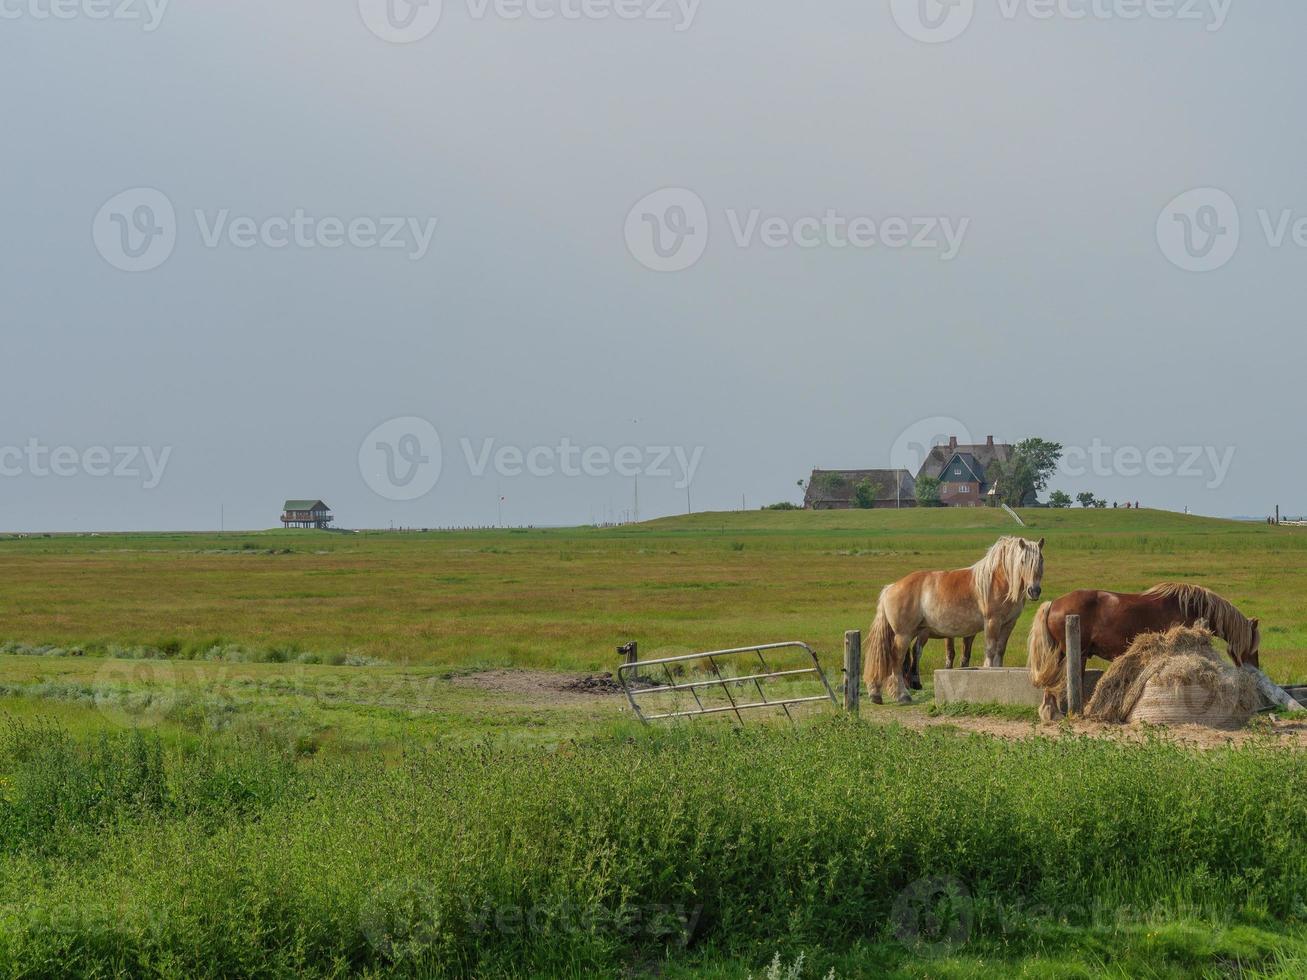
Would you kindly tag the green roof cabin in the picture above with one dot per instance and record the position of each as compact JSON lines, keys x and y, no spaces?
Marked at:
{"x":306,"y":513}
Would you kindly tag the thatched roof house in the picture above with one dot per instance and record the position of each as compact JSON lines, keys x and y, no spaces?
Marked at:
{"x":966,"y":475}
{"x":838,"y":489}
{"x":979,"y":457}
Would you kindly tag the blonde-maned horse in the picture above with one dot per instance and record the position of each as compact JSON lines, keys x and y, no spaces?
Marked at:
{"x":988,"y":597}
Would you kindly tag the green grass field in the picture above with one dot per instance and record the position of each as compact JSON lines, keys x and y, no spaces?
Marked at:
{"x":275,"y":754}
{"x":563,"y":599}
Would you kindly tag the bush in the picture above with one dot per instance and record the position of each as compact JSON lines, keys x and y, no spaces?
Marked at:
{"x":480,"y":860}
{"x":61,"y":792}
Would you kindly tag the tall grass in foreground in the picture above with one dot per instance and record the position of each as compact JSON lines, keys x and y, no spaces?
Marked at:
{"x":219,"y":860}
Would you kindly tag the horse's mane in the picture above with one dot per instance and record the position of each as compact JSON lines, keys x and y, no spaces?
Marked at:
{"x":1009,"y":555}
{"x":1222,"y":617}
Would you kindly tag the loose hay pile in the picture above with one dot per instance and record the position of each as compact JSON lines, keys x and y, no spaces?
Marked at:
{"x":1174,"y":678}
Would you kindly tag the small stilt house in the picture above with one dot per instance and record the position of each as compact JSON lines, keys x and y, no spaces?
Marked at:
{"x":306,"y":513}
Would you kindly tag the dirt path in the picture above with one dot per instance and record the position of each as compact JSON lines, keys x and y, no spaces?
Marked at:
{"x":1264,"y":730}
{"x":542,"y":687}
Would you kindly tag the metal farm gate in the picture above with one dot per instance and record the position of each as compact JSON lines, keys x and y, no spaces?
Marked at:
{"x":756,"y":675}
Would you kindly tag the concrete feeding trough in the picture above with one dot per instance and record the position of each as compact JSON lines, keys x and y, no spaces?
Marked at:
{"x":995,"y":685}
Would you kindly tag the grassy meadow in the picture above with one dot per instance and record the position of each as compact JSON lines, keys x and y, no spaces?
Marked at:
{"x":277,"y":754}
{"x":563,"y":599}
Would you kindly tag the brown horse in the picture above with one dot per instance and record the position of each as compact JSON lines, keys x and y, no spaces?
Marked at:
{"x":912,"y":666}
{"x":1110,"y":622}
{"x":988,"y":596}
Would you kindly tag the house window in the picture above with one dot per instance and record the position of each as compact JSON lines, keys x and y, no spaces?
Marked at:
{"x":957,"y":471}
{"x":964,"y":488}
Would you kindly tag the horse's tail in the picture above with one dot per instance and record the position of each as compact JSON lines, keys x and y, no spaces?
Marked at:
{"x":1045,"y":654}
{"x":878,"y":651}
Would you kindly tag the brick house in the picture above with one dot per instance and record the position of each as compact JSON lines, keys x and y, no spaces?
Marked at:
{"x":966,"y":473}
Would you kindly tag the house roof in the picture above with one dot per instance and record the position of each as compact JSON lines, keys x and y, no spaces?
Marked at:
{"x":885,"y":481}
{"x":983,"y":455}
{"x":970,"y":466}
{"x":305,"y":505}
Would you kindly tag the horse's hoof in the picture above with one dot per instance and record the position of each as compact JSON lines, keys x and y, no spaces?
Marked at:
{"x":877,"y":699}
{"x":916,"y":686}
{"x":905,"y":699}
{"x":1050,"y":714}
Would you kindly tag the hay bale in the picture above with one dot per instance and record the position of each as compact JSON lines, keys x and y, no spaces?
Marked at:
{"x":1174,"y":678}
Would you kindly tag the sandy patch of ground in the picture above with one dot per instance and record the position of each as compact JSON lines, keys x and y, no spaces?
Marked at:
{"x":1290,"y":733}
{"x":541,"y":685}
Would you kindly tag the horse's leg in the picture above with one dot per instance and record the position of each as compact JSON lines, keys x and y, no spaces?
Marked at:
{"x":902,"y":647}
{"x":915,"y":679}
{"x":952,"y":653}
{"x":993,"y":631}
{"x":1049,"y":710}
{"x":966,"y":650}
{"x":910,"y":659}
{"x":1004,"y":633}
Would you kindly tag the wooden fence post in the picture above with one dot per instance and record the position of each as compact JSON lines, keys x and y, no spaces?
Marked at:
{"x":1075,"y":679}
{"x":630,"y":652}
{"x":852,"y":670}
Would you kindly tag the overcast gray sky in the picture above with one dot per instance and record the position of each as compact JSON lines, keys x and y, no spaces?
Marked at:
{"x":247,"y":246}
